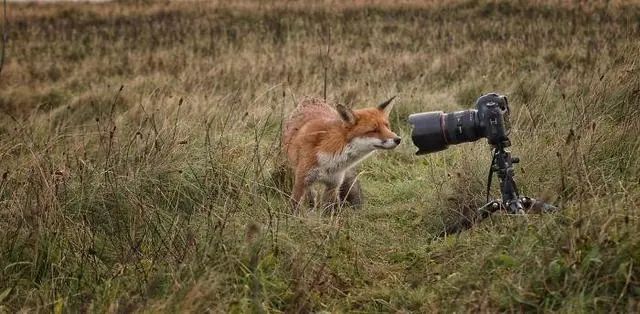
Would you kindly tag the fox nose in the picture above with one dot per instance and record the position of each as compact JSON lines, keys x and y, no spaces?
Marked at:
{"x":397,"y":140}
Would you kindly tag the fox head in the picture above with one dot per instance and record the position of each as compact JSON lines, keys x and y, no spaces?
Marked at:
{"x":368,"y":129}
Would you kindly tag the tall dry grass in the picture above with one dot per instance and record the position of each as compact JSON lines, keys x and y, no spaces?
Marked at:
{"x":140,"y":164}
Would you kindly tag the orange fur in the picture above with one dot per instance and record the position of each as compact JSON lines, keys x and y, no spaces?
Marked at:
{"x":321,"y":145}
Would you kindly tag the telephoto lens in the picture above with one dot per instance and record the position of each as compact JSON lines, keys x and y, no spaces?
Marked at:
{"x":435,"y":131}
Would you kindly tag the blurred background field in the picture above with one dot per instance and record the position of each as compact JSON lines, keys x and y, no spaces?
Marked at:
{"x":140,"y":167}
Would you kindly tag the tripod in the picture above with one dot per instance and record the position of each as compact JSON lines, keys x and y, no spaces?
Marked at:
{"x":512,"y":202}
{"x":502,"y":164}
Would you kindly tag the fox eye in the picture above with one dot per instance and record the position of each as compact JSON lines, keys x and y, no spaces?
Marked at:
{"x":372,"y":131}
{"x":386,"y":124}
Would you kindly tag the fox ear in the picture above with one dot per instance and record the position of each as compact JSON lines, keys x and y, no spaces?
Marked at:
{"x":386,"y":106}
{"x":346,"y":114}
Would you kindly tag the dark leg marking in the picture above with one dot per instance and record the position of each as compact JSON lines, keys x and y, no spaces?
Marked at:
{"x":350,"y":190}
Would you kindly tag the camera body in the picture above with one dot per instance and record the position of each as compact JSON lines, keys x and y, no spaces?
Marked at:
{"x":435,"y":131}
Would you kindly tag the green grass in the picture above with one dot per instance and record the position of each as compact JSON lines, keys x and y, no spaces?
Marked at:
{"x":168,"y":193}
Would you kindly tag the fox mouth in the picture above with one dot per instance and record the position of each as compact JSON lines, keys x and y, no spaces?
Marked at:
{"x":385,"y":147}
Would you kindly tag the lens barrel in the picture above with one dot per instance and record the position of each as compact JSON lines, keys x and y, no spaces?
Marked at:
{"x":435,"y":131}
{"x":428,"y":132}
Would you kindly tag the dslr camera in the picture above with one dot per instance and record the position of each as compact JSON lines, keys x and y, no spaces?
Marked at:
{"x":435,"y":131}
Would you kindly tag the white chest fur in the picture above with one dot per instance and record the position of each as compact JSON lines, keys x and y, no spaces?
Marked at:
{"x":331,"y":167}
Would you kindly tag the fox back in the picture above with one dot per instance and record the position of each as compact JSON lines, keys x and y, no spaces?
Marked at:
{"x":310,"y":110}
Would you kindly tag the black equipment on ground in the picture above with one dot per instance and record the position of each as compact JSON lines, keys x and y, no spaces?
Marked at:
{"x":435,"y":131}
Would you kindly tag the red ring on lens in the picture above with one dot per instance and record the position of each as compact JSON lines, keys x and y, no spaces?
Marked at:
{"x":442,"y":128}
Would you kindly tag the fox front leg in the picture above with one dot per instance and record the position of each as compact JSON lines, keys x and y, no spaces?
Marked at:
{"x":350,"y":190}
{"x":301,"y":186}
{"x":331,"y":197}
{"x":303,"y":182}
{"x":311,"y":198}
{"x":298,"y":193}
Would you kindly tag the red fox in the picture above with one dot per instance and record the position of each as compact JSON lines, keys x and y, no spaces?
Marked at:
{"x":324,"y":143}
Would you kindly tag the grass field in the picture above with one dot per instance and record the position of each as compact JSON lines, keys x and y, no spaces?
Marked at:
{"x":140,"y":167}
